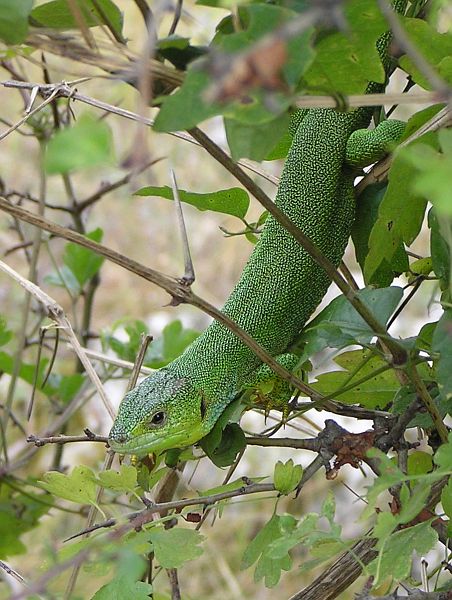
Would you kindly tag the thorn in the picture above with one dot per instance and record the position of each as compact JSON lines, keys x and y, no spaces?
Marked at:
{"x":189,"y":271}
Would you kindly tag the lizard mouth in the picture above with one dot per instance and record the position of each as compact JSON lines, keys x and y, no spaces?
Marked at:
{"x":147,"y":443}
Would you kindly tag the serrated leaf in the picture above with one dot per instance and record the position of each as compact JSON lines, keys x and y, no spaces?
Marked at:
{"x":329,"y":507}
{"x":287,"y":476}
{"x":87,"y":144}
{"x":379,"y":389}
{"x":79,"y":486}
{"x":339,"y":325}
{"x":124,"y":480}
{"x":233,"y":201}
{"x":173,"y":547}
{"x":396,"y":552}
{"x":14,"y":20}
{"x":58,"y":15}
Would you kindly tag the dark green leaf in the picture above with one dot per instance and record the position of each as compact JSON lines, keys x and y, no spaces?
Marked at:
{"x":440,"y":248}
{"x":58,"y":15}
{"x":339,"y":325}
{"x":400,"y":216}
{"x":233,"y":201}
{"x":64,"y":387}
{"x":87,"y":144}
{"x":446,"y":499}
{"x":14,"y":20}
{"x":442,"y":344}
{"x":82,"y":262}
{"x":443,"y":456}
{"x":254,"y":141}
{"x":366,"y":216}
{"x":406,"y":395}
{"x":281,"y":149}
{"x":173,"y":547}
{"x":232,"y":442}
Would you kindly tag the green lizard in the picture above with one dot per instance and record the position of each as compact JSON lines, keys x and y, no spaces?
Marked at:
{"x":280,"y":286}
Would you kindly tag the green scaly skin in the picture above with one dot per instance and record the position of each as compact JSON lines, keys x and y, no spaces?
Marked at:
{"x":280,"y":286}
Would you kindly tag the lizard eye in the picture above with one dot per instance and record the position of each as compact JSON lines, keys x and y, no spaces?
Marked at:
{"x":158,"y":419}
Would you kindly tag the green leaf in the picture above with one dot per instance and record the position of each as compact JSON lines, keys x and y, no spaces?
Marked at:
{"x":329,"y":507}
{"x":87,"y":144}
{"x":58,"y":15}
{"x":442,"y":344}
{"x":233,"y":201}
{"x":14,"y":20}
{"x":232,"y":442}
{"x":267,"y":567}
{"x":125,"y":349}
{"x":82,"y":262}
{"x":366,"y":216}
{"x":379,"y":389}
{"x":226,"y":439}
{"x":129,"y":567}
{"x":419,"y":463}
{"x":432,"y":170}
{"x":19,"y":513}
{"x":79,"y":486}
{"x":287,"y":476}
{"x":123,"y":481}
{"x":446,"y":499}
{"x":406,"y":395}
{"x":346,"y":61}
{"x":282,"y":147}
{"x":395,"y":553}
{"x":435,"y":47}
{"x":26,"y":371}
{"x":254,"y":141}
{"x":443,"y":456}
{"x":339,"y":325}
{"x":400,"y":214}
{"x":441,"y":247}
{"x":65,"y":387}
{"x":186,"y":107}
{"x":5,"y":334}
{"x":173,"y":547}
{"x":173,"y":341}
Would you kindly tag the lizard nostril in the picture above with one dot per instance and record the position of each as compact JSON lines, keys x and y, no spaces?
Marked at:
{"x":120,"y":438}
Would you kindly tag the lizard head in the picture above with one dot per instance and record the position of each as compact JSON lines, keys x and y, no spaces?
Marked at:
{"x":164,"y":411}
